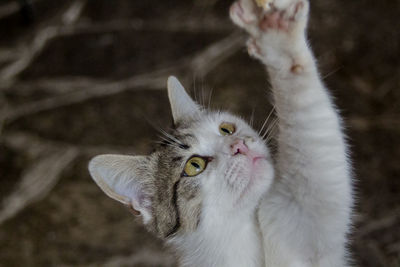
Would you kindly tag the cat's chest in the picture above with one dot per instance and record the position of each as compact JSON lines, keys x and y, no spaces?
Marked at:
{"x":229,"y":245}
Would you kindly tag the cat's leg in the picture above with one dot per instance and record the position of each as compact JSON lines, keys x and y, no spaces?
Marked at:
{"x":306,"y":214}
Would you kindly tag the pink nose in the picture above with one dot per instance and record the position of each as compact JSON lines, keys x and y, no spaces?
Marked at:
{"x":239,"y":147}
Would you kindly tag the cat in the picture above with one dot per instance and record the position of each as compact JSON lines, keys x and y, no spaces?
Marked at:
{"x":211,"y":189}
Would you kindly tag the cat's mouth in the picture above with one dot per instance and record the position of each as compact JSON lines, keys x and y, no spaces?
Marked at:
{"x":257,"y":158}
{"x":254,"y":158}
{"x":239,"y":148}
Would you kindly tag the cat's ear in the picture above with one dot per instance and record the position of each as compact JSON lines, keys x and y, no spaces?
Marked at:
{"x":182,"y":105}
{"x":125,"y":179}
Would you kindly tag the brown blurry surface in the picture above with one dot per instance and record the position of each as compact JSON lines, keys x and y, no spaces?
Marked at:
{"x":88,"y":77}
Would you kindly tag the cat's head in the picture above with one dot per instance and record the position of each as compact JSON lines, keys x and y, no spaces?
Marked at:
{"x":212,"y":165}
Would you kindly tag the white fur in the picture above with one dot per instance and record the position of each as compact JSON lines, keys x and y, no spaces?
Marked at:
{"x":222,"y":240}
{"x":305,"y":216}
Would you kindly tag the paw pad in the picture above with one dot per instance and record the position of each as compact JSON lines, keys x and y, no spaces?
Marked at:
{"x":296,"y":69}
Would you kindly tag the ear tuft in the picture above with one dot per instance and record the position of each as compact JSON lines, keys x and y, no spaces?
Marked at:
{"x":182,"y":105}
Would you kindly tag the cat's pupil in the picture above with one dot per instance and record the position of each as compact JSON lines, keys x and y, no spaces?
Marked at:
{"x":194,"y":164}
{"x":226,"y":130}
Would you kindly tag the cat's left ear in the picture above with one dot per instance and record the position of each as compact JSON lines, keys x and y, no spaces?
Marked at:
{"x":125,"y":179}
{"x":182,"y":105}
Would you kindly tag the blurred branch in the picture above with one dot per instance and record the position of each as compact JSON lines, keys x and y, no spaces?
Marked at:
{"x":34,"y":145}
{"x":9,"y":9}
{"x":37,"y":181}
{"x":214,"y":54}
{"x":7,"y":54}
{"x":191,"y":25}
{"x":28,"y":54}
{"x":12,"y":7}
{"x":379,"y":224}
{"x":144,"y":256}
{"x":367,"y":88}
{"x":29,"y":51}
{"x":394,"y":248}
{"x":68,"y":26}
{"x":50,"y":86}
{"x":375,"y":255}
{"x":201,"y":64}
{"x":52,"y":158}
{"x":93,"y":90}
{"x":382,"y":122}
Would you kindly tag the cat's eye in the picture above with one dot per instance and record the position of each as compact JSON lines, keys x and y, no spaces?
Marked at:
{"x":226,"y":128}
{"x":194,"y":166}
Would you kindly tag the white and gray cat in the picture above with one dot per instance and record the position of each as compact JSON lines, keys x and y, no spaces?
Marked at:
{"x":211,"y":189}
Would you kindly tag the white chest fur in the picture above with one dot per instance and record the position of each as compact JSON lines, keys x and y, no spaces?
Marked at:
{"x":222,"y":242}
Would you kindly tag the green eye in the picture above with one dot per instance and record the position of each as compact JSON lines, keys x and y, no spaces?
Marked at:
{"x":194,"y":166}
{"x":226,"y":128}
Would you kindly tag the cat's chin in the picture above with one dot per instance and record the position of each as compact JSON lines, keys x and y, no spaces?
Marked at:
{"x":259,"y":177}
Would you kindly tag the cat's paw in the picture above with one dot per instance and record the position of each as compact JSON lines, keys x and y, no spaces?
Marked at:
{"x":290,"y":20}
{"x":277,"y":33}
{"x":278,"y":15}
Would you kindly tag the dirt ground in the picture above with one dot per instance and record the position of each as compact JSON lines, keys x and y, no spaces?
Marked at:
{"x":85,"y":77}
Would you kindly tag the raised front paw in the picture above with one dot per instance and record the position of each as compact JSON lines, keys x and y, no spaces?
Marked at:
{"x":284,"y":15}
{"x":277,"y":29}
{"x":290,"y":20}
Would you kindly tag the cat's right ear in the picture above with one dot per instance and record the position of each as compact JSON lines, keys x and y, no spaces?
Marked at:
{"x":125,"y":179}
{"x":182,"y":105}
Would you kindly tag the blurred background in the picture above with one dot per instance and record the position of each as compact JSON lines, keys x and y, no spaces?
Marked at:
{"x":84,"y":77}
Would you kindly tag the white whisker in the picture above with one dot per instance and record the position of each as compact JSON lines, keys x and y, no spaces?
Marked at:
{"x":171,"y":137}
{"x":269,"y":131}
{"x":203,"y":98}
{"x":251,"y":122}
{"x":209,"y":97}
{"x":167,"y":142}
{"x":195,"y":89}
{"x":266,"y":120}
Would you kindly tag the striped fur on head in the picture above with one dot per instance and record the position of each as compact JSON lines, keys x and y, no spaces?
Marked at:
{"x":173,"y":204}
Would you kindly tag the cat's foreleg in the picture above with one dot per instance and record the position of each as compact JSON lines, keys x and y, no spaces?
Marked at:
{"x":313,"y":174}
